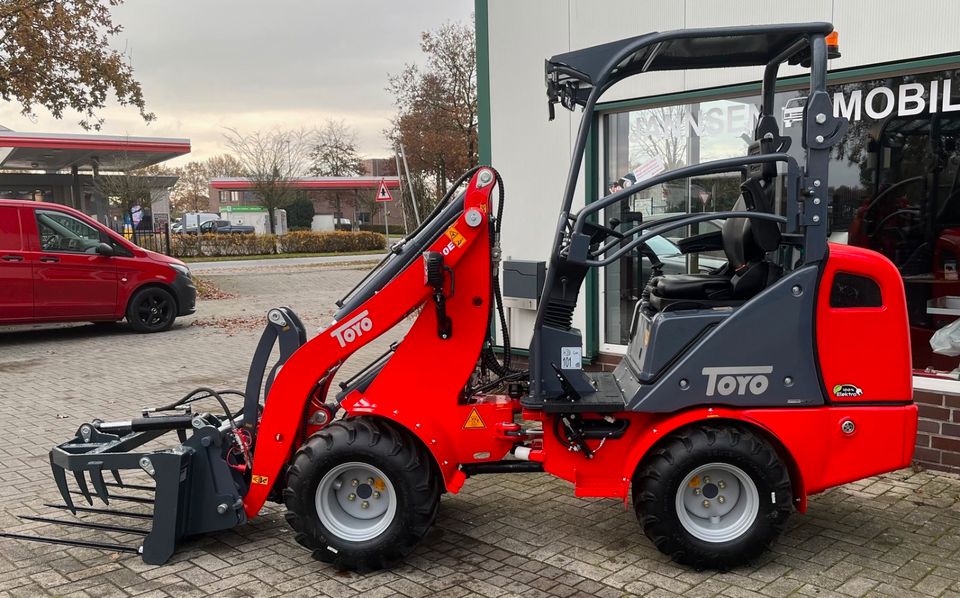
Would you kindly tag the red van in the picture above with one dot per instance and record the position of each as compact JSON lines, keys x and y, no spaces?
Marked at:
{"x":58,"y":265}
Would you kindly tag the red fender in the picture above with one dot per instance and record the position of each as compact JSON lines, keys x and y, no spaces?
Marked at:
{"x":282,"y":424}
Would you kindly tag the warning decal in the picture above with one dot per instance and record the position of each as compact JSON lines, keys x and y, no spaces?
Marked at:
{"x":456,"y":237}
{"x":474,"y":421}
{"x":260,"y":480}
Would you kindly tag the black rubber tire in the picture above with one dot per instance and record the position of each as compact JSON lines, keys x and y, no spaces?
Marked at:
{"x":399,"y":456}
{"x":146,"y":298}
{"x":658,"y":477}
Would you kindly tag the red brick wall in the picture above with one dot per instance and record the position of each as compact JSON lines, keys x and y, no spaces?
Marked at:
{"x":938,"y":432}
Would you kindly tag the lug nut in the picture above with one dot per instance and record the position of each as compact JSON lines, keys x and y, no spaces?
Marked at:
{"x":354,"y":483}
{"x":706,"y":504}
{"x":376,"y":495}
{"x":351,"y":496}
{"x":721,"y":484}
{"x":706,"y":479}
{"x":697,"y":492}
{"x":364,"y":505}
{"x":370,"y":481}
{"x":721,"y":500}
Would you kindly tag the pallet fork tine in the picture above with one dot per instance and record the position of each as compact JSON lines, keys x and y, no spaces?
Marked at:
{"x":137,"y":499}
{"x":98,"y":511}
{"x":87,"y":525}
{"x":132,"y":487}
{"x":77,"y":543}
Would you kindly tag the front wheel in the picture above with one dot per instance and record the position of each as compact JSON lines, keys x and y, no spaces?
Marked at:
{"x":360,"y":494}
{"x":152,"y":309}
{"x":712,"y":496}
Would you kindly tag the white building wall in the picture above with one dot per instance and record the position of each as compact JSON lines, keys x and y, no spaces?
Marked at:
{"x":533,"y":154}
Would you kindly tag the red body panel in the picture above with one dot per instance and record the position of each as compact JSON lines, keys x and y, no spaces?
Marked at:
{"x":817,"y":451}
{"x":867,"y":348}
{"x":77,"y":286}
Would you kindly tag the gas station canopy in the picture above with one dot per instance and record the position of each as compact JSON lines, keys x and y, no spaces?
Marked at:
{"x":53,"y":152}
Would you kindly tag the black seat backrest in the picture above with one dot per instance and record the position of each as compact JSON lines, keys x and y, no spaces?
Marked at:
{"x":746,"y":240}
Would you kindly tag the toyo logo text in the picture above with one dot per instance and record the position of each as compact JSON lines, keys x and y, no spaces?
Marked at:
{"x":726,"y":381}
{"x":353,"y":328}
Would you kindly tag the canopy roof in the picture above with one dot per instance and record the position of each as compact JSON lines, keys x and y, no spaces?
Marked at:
{"x":574,"y":73}
{"x":54,"y":151}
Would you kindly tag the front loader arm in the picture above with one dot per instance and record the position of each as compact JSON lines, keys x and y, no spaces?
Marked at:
{"x":282,"y":423}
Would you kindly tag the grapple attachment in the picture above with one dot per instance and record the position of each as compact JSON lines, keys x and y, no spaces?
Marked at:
{"x":193,"y":488}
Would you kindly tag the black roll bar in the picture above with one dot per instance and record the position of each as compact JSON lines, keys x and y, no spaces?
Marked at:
{"x":712,"y":167}
{"x":678,"y":223}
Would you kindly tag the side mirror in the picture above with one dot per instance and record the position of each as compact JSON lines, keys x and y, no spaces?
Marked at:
{"x":105,"y":249}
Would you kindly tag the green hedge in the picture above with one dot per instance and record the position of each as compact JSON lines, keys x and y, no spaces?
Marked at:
{"x":213,"y":245}
{"x":395,"y":229}
{"x":332,"y":242}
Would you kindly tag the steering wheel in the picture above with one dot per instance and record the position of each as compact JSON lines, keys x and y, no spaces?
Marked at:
{"x":52,"y":242}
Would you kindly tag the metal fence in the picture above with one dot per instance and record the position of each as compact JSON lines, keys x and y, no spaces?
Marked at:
{"x":155,"y":239}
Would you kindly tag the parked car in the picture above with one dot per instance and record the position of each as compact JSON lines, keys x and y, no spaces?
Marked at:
{"x":224,"y":227}
{"x":59,"y":265}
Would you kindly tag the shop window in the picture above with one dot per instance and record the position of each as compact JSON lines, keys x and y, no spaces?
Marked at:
{"x":894,"y":186}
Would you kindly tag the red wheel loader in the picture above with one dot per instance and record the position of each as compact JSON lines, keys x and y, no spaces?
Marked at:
{"x":742,"y":392}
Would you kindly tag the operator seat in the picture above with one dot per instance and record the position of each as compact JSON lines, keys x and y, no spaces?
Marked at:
{"x":746,"y":243}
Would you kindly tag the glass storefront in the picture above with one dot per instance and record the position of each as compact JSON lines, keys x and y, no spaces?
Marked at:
{"x":894,"y":183}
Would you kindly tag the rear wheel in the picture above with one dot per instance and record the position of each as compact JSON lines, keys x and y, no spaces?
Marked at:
{"x":360,"y":494}
{"x":152,"y":309}
{"x":712,"y":496}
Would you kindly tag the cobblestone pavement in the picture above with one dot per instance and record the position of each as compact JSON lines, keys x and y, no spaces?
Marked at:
{"x":895,"y":535}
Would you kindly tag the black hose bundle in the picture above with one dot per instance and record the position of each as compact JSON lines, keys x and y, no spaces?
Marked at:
{"x":488,"y":356}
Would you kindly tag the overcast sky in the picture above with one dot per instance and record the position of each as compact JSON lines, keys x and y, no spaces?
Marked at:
{"x":248,"y":64}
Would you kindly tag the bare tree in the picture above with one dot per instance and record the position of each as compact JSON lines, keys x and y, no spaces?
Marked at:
{"x":271,"y":161}
{"x":334,"y":153}
{"x":223,"y":165}
{"x":191,"y":194}
{"x":334,"y":150}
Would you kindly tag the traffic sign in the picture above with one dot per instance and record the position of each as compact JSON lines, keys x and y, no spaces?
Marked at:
{"x":382,"y":193}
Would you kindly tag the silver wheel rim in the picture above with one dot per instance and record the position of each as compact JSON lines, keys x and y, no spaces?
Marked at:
{"x":356,"y":501}
{"x":717,"y":502}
